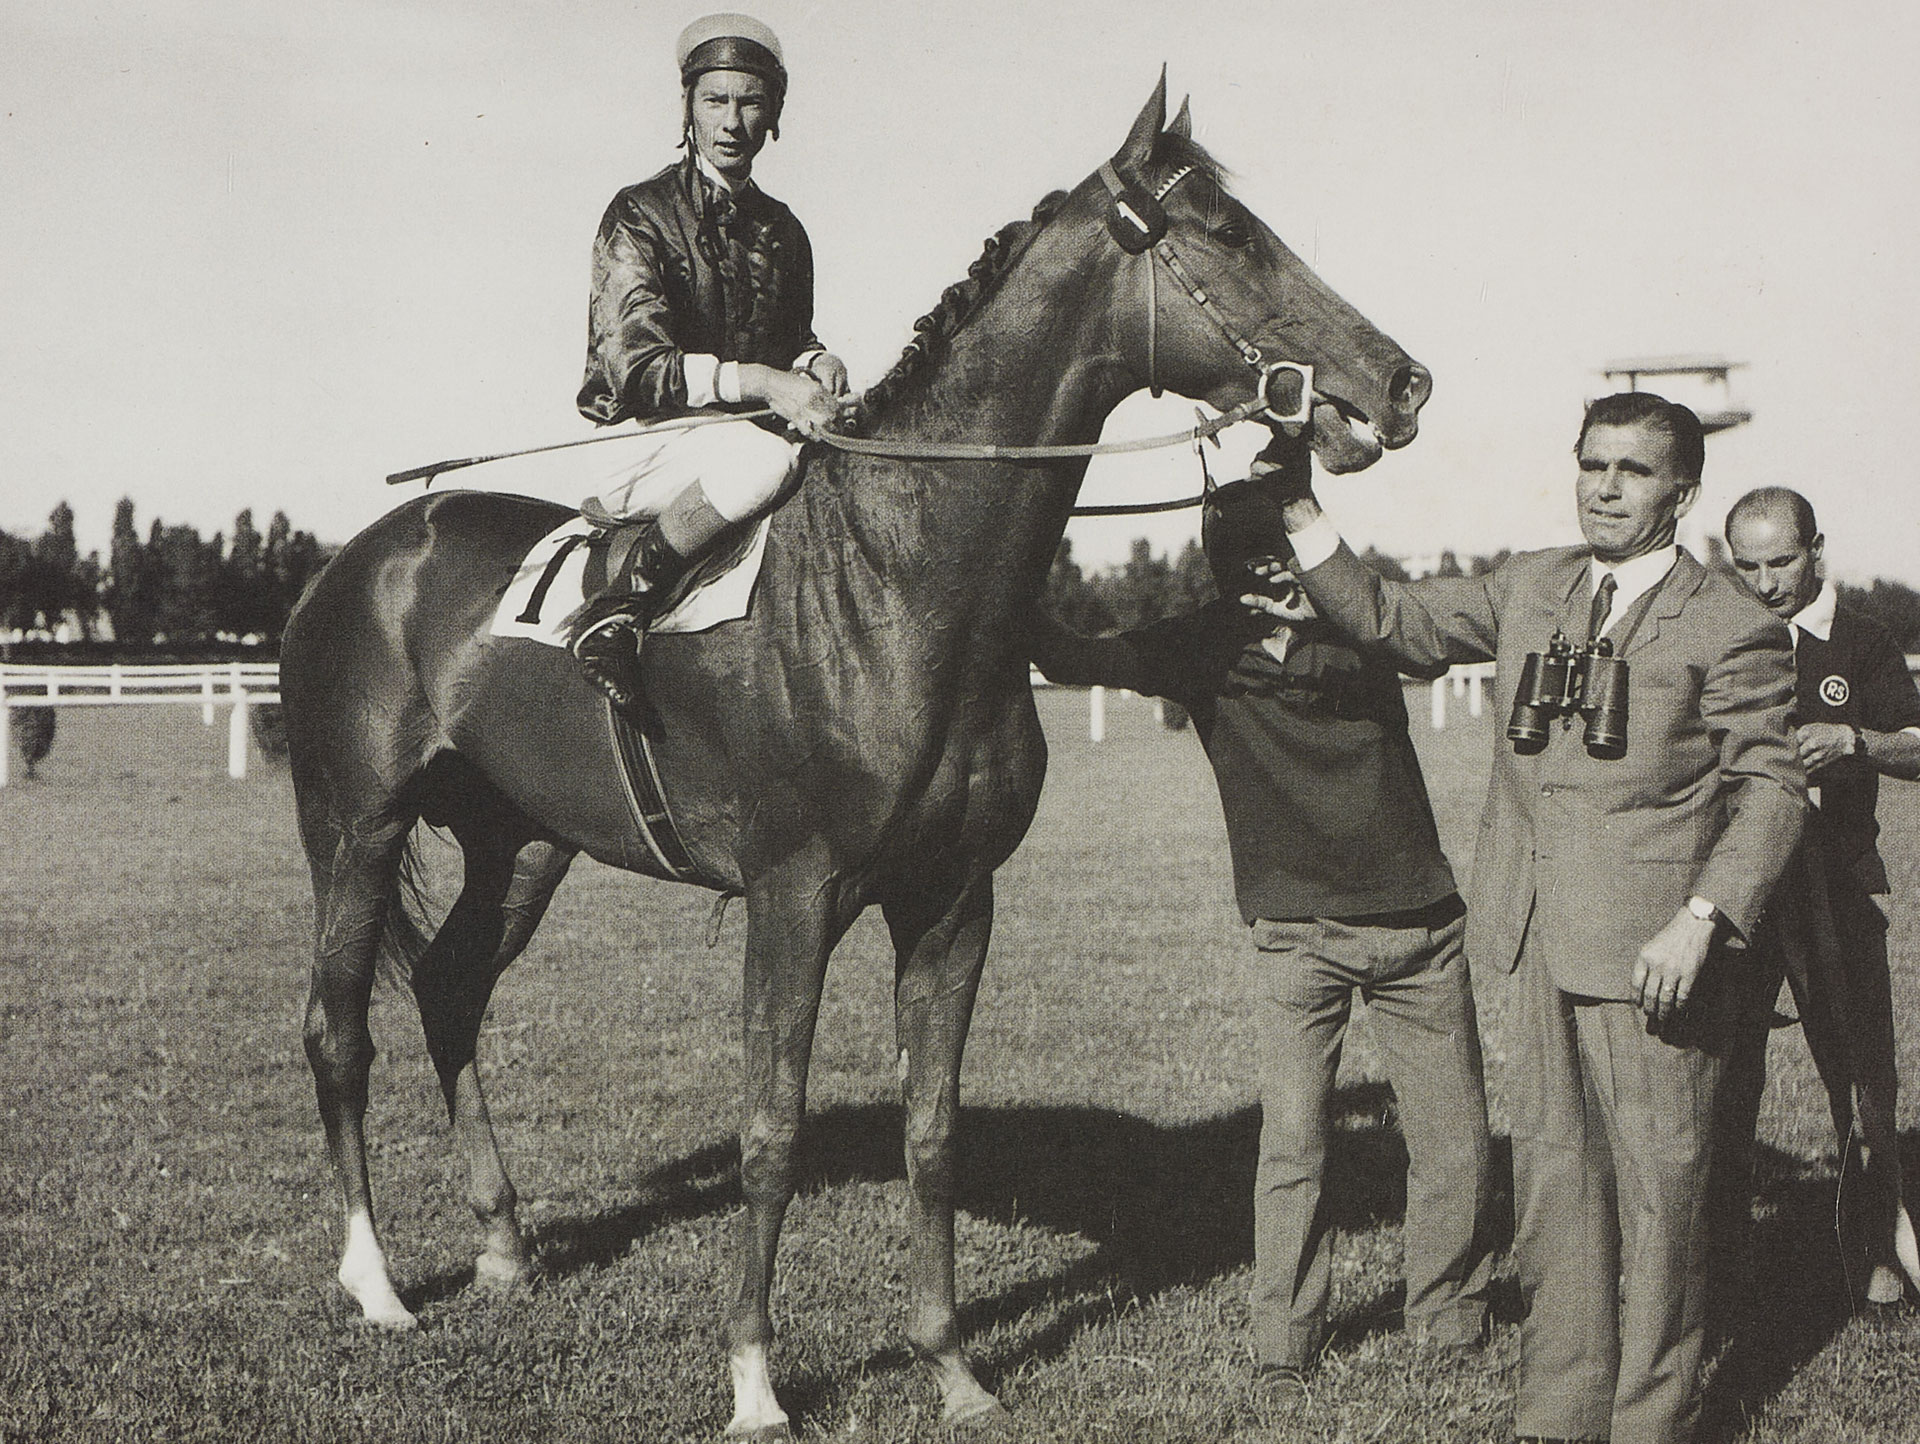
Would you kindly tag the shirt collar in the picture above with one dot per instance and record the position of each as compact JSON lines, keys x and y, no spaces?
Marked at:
{"x":1636,"y":576}
{"x":1816,"y":617}
{"x":712,"y":173}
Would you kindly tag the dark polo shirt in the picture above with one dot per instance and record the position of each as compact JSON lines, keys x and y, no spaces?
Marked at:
{"x":1327,"y":813}
{"x":1859,"y":678}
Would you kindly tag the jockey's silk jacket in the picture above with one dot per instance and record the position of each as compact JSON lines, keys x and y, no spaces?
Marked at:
{"x":681,"y":268}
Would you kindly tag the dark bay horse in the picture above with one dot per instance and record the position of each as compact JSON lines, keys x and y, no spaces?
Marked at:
{"x":867,"y":735}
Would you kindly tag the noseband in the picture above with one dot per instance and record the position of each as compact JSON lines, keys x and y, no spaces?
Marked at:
{"x":1137,"y":221}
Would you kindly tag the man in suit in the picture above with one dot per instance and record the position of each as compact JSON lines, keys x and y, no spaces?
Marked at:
{"x":1857,"y":719}
{"x":1610,"y":882}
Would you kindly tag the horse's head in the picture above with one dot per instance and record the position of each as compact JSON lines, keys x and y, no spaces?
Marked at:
{"x":1222,"y":302}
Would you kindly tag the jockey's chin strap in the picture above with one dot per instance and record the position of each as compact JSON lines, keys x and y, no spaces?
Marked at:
{"x":1137,"y":220}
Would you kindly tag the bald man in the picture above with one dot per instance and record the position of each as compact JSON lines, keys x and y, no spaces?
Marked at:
{"x":1856,"y":718}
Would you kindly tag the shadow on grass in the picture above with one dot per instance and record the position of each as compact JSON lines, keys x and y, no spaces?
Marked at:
{"x":1798,"y":1301}
{"x":1164,"y":1207}
{"x":1167,"y":1207}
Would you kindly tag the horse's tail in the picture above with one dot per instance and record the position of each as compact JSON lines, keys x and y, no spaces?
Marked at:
{"x":407,"y":928}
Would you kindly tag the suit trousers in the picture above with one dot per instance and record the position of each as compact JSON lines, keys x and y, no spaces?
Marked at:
{"x":1412,"y":972}
{"x":1829,"y":939}
{"x":1612,"y":1146}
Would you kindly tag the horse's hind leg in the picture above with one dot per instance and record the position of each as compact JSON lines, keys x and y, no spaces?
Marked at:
{"x":356,"y":880}
{"x":508,"y":886}
{"x":940,"y":946}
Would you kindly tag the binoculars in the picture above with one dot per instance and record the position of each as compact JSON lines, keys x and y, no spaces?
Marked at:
{"x":1565,"y":680}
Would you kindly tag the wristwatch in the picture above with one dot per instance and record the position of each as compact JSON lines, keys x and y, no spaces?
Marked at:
{"x":1859,"y":742}
{"x":1702,"y":909}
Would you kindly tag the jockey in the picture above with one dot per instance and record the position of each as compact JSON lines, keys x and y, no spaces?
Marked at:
{"x":702,"y":299}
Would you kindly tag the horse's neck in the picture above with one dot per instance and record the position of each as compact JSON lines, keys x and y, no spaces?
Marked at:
{"x":1016,"y":374}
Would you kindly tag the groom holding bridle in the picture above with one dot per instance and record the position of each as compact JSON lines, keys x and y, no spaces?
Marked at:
{"x":702,"y":299}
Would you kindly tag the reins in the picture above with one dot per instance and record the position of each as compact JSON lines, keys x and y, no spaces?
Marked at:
{"x":1137,"y":221}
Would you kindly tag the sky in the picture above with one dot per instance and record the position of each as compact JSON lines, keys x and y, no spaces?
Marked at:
{"x":261,"y":256}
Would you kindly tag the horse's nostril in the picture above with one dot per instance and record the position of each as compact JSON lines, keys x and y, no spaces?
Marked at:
{"x":1411,"y":386}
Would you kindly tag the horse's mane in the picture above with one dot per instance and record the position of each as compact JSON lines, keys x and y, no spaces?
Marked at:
{"x":958,"y":302}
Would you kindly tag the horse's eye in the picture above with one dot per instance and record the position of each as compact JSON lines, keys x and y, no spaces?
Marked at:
{"x":1234,"y":233}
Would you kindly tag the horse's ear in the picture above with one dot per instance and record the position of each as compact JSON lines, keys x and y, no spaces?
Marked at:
{"x":1183,"y":122}
{"x":1147,"y":126}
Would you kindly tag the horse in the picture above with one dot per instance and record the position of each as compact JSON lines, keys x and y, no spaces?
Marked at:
{"x":866,"y":735}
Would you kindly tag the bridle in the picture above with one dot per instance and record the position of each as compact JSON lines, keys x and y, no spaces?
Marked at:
{"x":1137,"y":221}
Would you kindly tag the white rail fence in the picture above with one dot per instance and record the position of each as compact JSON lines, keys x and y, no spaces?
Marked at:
{"x":1469,"y":681}
{"x":238,"y":686}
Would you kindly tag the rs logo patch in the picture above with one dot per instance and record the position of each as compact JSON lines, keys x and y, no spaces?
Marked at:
{"x":1834,"y":691}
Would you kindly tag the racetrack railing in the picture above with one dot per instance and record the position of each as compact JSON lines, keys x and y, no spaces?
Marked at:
{"x":238,"y":686}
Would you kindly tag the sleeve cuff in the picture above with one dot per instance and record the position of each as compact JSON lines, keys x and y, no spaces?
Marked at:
{"x":704,"y":380}
{"x":1315,"y":542}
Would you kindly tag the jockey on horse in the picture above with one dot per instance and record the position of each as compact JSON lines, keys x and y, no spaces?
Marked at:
{"x":702,"y":297}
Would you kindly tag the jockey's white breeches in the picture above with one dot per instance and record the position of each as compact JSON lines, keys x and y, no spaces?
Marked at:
{"x":741,"y":468}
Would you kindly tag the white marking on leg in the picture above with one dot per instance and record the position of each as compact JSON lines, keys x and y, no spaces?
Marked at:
{"x":1904,"y":1247}
{"x":754,"y":1405}
{"x":363,"y":1273}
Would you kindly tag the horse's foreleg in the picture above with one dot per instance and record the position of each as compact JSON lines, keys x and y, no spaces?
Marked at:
{"x":353,"y":889}
{"x":940,"y":947}
{"x":792,"y":925}
{"x":503,"y":899}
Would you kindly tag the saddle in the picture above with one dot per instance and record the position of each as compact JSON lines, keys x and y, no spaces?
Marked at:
{"x":579,"y":558}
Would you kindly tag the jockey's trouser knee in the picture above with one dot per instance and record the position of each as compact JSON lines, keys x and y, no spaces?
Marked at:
{"x":747,"y":469}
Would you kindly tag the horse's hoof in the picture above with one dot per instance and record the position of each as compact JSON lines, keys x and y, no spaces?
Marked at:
{"x":985,"y":1417}
{"x":392,"y":1318}
{"x":380,"y":1308}
{"x":499,"y":1271}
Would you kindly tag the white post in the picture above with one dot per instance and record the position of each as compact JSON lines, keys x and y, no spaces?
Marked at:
{"x":1439,"y":703}
{"x":206,"y":698}
{"x":1097,"y":714}
{"x":236,"y":725}
{"x":237,"y":738}
{"x":6,"y":728}
{"x":1476,"y":684}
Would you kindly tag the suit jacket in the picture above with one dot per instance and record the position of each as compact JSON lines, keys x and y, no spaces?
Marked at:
{"x":1582,"y":858}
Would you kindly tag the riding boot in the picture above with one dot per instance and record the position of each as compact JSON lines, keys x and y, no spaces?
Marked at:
{"x":606,"y":635}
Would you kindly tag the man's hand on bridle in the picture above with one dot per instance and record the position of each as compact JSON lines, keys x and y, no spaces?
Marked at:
{"x":1284,"y":597}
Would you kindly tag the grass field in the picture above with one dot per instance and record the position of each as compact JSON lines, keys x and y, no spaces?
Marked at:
{"x":168,"y":1224}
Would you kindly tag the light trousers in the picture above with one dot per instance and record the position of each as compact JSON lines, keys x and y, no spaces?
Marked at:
{"x":1412,"y":973}
{"x":1612,"y":1145}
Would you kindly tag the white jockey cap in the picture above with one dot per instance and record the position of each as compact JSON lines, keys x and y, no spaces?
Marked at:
{"x":729,"y":41}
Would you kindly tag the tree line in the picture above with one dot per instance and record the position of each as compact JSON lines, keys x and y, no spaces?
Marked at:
{"x":1146,"y":587}
{"x":173,"y":588}
{"x":170,"y":588}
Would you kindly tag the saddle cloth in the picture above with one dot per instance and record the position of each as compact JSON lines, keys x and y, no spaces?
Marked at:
{"x":549,"y":587}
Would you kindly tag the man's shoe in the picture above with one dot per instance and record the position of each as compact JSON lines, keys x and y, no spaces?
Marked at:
{"x":606,"y":643}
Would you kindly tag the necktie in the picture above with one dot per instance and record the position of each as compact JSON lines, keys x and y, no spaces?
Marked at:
{"x":1602,"y":604}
